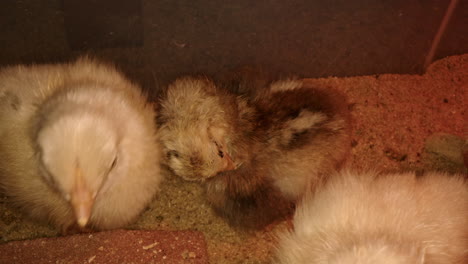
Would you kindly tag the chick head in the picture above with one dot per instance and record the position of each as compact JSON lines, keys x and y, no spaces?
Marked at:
{"x":78,"y":150}
{"x":194,"y":130}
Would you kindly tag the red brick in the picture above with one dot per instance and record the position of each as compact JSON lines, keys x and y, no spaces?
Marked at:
{"x":119,"y":246}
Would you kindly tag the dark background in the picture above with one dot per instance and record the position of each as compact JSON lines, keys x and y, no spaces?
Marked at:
{"x":160,"y":40}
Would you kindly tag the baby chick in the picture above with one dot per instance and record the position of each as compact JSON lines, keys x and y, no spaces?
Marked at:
{"x":366,"y":218}
{"x":247,"y":150}
{"x":78,"y":144}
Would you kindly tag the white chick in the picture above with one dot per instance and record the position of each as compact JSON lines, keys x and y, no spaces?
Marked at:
{"x":390,"y":219}
{"x":78,"y":144}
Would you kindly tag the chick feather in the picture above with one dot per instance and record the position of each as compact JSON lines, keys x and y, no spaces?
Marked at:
{"x":79,"y":144}
{"x":388,"y":219}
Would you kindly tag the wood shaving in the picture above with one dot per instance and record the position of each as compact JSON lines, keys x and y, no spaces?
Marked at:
{"x":150,"y":246}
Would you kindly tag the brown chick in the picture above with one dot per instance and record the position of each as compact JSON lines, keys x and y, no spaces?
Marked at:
{"x":390,"y":219}
{"x":78,"y":144}
{"x":279,"y":142}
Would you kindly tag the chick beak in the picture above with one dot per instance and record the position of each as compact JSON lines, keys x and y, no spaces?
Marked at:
{"x":81,"y":200}
{"x":228,"y":164}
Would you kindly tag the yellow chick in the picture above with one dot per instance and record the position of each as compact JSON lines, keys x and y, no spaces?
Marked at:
{"x":389,"y":219}
{"x":78,"y":143}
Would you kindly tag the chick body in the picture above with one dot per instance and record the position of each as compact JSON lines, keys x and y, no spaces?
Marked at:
{"x":78,"y":144}
{"x":367,"y":218}
{"x":308,"y":134}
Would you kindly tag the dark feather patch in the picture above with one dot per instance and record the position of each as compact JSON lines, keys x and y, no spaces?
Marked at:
{"x":246,"y":198}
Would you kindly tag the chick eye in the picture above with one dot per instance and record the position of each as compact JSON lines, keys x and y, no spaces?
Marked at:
{"x":220,"y":152}
{"x":172,"y":153}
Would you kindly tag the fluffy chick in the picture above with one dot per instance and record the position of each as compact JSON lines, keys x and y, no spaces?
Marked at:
{"x":366,"y":218}
{"x":78,"y":144}
{"x":273,"y":145}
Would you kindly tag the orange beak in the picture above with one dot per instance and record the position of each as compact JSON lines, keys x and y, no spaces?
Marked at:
{"x":81,"y":200}
{"x":228,"y":164}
